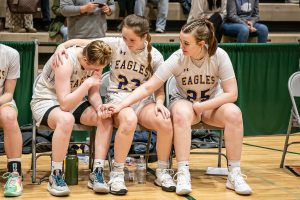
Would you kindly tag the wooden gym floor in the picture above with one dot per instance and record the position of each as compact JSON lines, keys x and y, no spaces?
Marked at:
{"x":260,"y":162}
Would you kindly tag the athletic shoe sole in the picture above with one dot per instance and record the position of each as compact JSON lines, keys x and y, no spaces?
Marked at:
{"x":120,"y":192}
{"x":231,"y":187}
{"x":57,"y":193}
{"x":166,"y":189}
{"x":101,"y":190}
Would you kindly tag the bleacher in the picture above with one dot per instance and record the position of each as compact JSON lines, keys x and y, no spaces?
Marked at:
{"x":283,"y":20}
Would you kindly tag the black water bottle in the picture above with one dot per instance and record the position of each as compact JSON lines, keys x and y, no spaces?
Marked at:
{"x":71,"y":171}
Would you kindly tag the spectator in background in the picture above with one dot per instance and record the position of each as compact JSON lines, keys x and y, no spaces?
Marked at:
{"x":241,"y":21}
{"x":19,"y":23}
{"x":161,"y":19}
{"x":45,"y":14}
{"x":126,"y":8}
{"x":58,"y":25}
{"x":213,"y":10}
{"x":86,"y":20}
{"x":10,"y":72}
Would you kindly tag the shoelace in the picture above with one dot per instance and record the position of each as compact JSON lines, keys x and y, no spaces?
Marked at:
{"x":59,"y":180}
{"x":117,"y":179}
{"x":167,"y":176}
{"x":181,"y":178}
{"x":12,"y":178}
{"x":99,"y":177}
{"x":239,"y":178}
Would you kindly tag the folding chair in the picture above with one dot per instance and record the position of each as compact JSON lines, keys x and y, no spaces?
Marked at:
{"x":147,"y":154}
{"x":294,"y":90}
{"x":76,"y":127}
{"x":170,"y":85}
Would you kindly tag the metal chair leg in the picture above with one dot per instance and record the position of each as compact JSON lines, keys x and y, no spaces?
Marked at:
{"x":33,"y":154}
{"x":148,"y":148}
{"x":286,"y":141}
{"x":92,"y":149}
{"x":109,"y":161}
{"x":220,"y":148}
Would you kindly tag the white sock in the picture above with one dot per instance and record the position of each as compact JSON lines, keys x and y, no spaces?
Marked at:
{"x":118,"y":167}
{"x":233,"y":164}
{"x":162,"y":164}
{"x":183,"y":165}
{"x":98,"y":163}
{"x":56,"y":165}
{"x":14,"y":159}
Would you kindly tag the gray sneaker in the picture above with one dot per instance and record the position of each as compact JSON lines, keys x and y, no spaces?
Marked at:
{"x":97,"y":182}
{"x":117,"y":183}
{"x":57,"y":185}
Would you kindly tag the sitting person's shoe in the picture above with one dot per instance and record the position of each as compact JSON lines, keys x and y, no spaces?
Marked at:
{"x":159,"y":30}
{"x":117,"y":183}
{"x":165,"y":180}
{"x":31,"y":30}
{"x":18,"y":29}
{"x":57,"y":185}
{"x":97,"y":182}
{"x":183,"y":186}
{"x":13,"y":186}
{"x":236,"y":182}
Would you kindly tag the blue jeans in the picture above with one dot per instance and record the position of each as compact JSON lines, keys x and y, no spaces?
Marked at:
{"x":46,"y":12}
{"x":163,"y":7}
{"x":64,"y":32}
{"x":241,"y":32}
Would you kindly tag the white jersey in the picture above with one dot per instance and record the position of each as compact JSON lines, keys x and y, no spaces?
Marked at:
{"x":197,"y":81}
{"x":9,"y":65}
{"x":45,"y":88}
{"x":128,"y":69}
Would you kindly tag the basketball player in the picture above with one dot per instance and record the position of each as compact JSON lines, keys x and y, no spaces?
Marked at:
{"x":134,"y":61}
{"x":59,"y":102}
{"x":200,"y":69}
{"x":9,"y":73}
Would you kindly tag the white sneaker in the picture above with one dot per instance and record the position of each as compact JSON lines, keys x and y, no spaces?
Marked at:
{"x":236,"y":182}
{"x":97,"y":182}
{"x":117,"y":183}
{"x":183,"y":186}
{"x":165,"y":180}
{"x":57,"y":185}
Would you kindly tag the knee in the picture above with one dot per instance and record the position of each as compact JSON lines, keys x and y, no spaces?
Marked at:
{"x":128,"y":124}
{"x":244,"y":30}
{"x":263,"y":29}
{"x":8,"y":117}
{"x":181,"y":118}
{"x":233,"y":117}
{"x":66,"y":122}
{"x":106,"y":123}
{"x":164,"y":125}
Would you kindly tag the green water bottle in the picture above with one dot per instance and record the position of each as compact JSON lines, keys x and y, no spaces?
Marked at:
{"x":71,"y":171}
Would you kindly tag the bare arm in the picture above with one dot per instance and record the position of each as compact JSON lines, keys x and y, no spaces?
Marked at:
{"x":67,"y":99}
{"x":160,"y":95}
{"x":94,"y":95}
{"x":9,"y":88}
{"x":229,"y":96}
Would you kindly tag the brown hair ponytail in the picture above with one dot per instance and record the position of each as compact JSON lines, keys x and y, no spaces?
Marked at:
{"x":149,"y":48}
{"x":202,"y":29}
